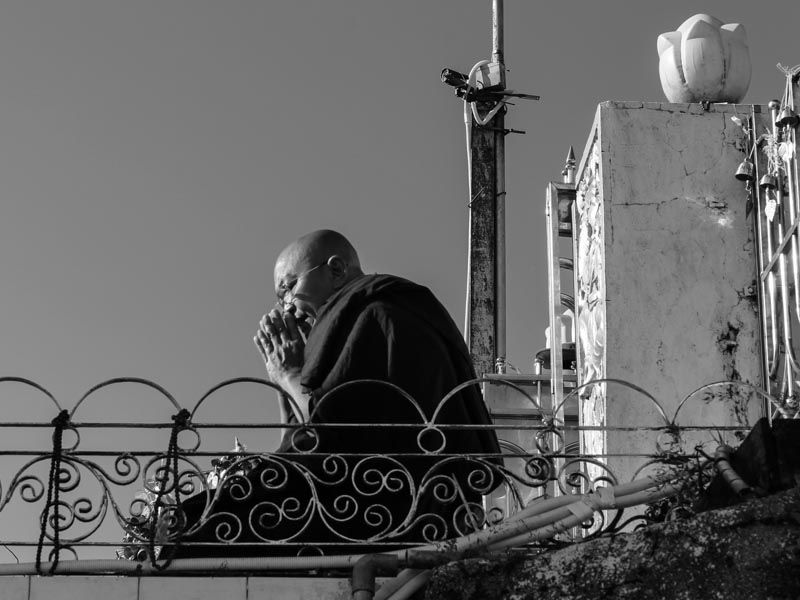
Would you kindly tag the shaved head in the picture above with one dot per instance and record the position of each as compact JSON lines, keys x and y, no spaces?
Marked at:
{"x":318,"y":246}
{"x":299,"y":269}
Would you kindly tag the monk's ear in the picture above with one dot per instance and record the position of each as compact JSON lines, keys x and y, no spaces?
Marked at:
{"x":338,"y":268}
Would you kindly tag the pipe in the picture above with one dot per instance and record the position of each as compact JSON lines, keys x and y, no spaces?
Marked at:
{"x":753,"y":188}
{"x":552,"y":523}
{"x":500,"y":195}
{"x":367,"y":568}
{"x":772,"y":367}
{"x":394,"y":585}
{"x":722,"y":463}
{"x":539,"y":521}
{"x":468,"y":130}
{"x":417,"y":572}
{"x":412,"y":586}
{"x":573,"y":518}
{"x":500,"y":235}
{"x":218,"y":564}
{"x":790,"y":360}
{"x":498,"y":33}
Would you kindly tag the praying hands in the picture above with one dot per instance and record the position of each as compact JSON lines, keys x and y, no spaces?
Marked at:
{"x":281,"y":341}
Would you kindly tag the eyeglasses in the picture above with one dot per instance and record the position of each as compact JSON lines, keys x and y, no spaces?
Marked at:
{"x":285,"y":289}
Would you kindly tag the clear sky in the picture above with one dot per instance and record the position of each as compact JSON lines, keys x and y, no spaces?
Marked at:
{"x":155,"y":155}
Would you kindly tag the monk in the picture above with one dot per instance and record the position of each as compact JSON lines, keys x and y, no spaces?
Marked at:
{"x":333,"y":325}
{"x":364,"y":327}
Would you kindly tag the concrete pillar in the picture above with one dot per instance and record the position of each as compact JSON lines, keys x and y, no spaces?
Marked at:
{"x":665,"y":268}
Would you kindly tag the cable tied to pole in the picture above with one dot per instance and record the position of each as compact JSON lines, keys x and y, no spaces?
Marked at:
{"x":161,"y":524}
{"x":53,"y":488}
{"x":470,"y":85}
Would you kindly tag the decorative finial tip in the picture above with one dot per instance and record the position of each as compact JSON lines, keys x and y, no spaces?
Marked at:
{"x":569,"y":168}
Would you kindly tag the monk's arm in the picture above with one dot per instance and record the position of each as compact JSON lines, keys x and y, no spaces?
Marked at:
{"x":290,"y":383}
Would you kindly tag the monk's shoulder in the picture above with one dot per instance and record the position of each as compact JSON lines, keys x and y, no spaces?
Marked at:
{"x":387,"y":311}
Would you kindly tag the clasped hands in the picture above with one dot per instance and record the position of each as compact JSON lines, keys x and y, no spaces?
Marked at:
{"x":281,"y":340}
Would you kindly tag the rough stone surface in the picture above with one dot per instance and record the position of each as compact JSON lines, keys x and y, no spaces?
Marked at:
{"x":748,"y":551}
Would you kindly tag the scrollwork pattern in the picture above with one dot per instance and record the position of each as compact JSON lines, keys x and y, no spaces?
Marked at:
{"x":302,"y":501}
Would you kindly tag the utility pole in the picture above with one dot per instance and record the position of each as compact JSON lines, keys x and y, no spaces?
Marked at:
{"x":486,"y":304}
{"x":484,"y":93}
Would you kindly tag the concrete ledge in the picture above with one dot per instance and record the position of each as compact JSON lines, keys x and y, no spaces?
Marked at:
{"x":103,"y":587}
{"x":693,"y":108}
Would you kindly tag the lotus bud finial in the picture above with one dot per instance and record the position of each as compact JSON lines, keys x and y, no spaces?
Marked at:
{"x":704,"y":61}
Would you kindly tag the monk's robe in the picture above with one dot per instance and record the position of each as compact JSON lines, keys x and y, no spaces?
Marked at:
{"x":322,"y":486}
{"x":390,"y":329}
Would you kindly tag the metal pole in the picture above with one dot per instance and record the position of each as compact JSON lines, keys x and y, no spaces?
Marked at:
{"x":497,"y":32}
{"x":500,"y":160}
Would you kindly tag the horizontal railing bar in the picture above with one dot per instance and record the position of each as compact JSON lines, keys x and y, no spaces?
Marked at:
{"x":453,"y":426}
{"x":121,"y":544}
{"x":95,"y":425}
{"x":525,"y":377}
{"x":516,"y":457}
{"x":521,"y":455}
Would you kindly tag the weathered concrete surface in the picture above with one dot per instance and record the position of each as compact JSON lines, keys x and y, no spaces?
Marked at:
{"x":665,"y":263}
{"x":119,"y":587}
{"x":748,"y":551}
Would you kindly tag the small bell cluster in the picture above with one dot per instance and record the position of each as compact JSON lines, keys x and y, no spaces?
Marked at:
{"x":778,"y":144}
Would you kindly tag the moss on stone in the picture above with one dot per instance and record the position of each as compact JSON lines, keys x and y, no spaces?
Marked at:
{"x":748,"y":551}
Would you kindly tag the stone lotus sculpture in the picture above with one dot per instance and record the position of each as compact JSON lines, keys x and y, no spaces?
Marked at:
{"x":704,"y":61}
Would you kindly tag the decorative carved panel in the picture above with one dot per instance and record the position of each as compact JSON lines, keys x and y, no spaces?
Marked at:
{"x":590,"y":300}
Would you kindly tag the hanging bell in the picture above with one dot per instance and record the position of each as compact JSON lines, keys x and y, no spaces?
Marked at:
{"x":746,"y":171}
{"x":787,"y":118}
{"x":768,"y":182}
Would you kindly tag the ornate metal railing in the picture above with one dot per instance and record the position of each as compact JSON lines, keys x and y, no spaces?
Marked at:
{"x":770,"y":173}
{"x":164,"y":483}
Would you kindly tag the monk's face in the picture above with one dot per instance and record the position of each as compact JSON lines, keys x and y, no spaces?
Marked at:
{"x":303,"y":282}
